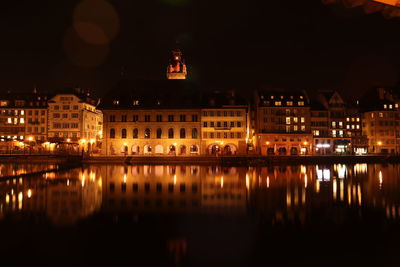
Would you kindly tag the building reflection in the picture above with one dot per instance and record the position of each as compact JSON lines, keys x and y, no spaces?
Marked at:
{"x":174,"y":189}
{"x":276,"y":195}
{"x":62,"y":198}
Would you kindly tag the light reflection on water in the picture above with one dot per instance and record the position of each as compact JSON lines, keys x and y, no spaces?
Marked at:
{"x":281,"y":194}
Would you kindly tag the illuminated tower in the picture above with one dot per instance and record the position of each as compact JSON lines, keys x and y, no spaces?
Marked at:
{"x":177,"y":68}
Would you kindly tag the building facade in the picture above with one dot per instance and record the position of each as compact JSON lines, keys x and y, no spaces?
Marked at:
{"x":23,"y":121}
{"x":75,"y":119}
{"x":381,"y":122}
{"x":151,"y":132}
{"x":283,"y":125}
{"x":224,"y":124}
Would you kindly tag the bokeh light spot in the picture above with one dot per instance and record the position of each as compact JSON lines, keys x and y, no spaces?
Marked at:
{"x":96,"y":21}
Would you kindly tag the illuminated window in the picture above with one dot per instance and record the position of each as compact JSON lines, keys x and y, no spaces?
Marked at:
{"x":341,"y":133}
{"x":372,"y":115}
{"x":347,"y":119}
{"x":358,"y":119}
{"x":22,"y":120}
{"x":385,"y":106}
{"x":288,"y":129}
{"x":316,"y":132}
{"x":333,"y":124}
{"x":302,"y":120}
{"x":289,"y":103}
{"x":380,"y":115}
{"x":278,"y":103}
{"x":352,"y":126}
{"x":334,"y":133}
{"x":116,"y":102}
{"x":295,"y":119}
{"x":340,"y":124}
{"x":358,"y":126}
{"x":295,"y":128}
{"x":287,"y":120}
{"x":303,"y":128}
{"x":396,"y":105}
{"x":390,"y":106}
{"x":301,"y":103}
{"x":22,"y":112}
{"x":347,"y":126}
{"x":9,"y":120}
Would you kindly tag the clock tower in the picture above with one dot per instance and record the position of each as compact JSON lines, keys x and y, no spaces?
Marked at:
{"x":177,"y":68}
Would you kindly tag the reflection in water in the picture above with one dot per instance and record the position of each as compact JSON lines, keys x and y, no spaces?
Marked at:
{"x":276,"y":194}
{"x":64,"y":199}
{"x":16,"y":169}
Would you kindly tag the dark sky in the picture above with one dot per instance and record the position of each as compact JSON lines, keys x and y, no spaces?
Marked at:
{"x":240,"y":44}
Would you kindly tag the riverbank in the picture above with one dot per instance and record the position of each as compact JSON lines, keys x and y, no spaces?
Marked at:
{"x":241,"y":160}
{"x":199,"y":160}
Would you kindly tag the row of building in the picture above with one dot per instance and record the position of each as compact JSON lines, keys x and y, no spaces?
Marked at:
{"x":174,"y":117}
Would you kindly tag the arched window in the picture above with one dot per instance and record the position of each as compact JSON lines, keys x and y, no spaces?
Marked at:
{"x":123,"y":133}
{"x":135,"y":133}
{"x":147,"y":133}
{"x":182,"y":133}
{"x":159,"y":133}
{"x":112,"y":133}
{"x":170,"y":133}
{"x":194,"y":133}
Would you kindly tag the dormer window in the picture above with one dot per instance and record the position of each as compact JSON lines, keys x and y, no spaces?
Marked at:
{"x":116,"y":102}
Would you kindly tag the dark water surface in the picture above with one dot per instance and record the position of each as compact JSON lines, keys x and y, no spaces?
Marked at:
{"x":115,"y":215}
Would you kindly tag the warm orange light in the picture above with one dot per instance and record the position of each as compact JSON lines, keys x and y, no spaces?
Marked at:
{"x":267,"y":142}
{"x":305,"y":143}
{"x":68,"y":140}
{"x":379,"y":143}
{"x":30,"y":138}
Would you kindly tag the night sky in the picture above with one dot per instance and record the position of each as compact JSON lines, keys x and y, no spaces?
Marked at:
{"x":228,"y":44}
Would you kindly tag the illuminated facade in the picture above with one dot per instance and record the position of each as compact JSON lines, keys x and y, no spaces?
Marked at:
{"x":151,"y":132}
{"x":283,"y":123}
{"x":224,"y":124}
{"x":74,"y":118}
{"x":381,"y":122}
{"x":23,"y":120}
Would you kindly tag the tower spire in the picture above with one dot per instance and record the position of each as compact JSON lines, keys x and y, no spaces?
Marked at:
{"x":177,"y":68}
